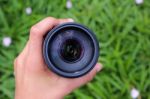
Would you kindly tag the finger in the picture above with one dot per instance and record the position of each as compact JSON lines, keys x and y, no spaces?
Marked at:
{"x":37,"y":33}
{"x":92,"y":74}
{"x":88,"y":77}
{"x":61,"y":21}
{"x":39,"y":30}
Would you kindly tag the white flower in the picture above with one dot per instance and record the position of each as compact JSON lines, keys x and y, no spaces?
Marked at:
{"x":134,"y":93}
{"x":139,"y":1}
{"x":28,"y":10}
{"x":68,"y":4}
{"x":7,"y":41}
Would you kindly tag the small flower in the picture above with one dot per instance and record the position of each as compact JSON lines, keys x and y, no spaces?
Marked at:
{"x":7,"y":41}
{"x":28,"y":10}
{"x":68,"y":4}
{"x":134,"y":93}
{"x":139,"y":1}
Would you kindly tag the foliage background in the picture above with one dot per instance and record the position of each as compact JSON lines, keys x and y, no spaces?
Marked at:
{"x":121,"y":26}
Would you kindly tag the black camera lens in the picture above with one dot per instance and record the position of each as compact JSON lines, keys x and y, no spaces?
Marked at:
{"x":70,"y":50}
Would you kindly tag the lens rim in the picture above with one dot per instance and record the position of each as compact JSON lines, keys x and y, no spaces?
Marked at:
{"x":69,"y":74}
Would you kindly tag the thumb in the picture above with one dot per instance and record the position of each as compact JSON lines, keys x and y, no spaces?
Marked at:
{"x":91,"y":74}
{"x":88,"y":77}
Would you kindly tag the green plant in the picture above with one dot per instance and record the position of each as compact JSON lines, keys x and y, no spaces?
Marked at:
{"x":121,"y":26}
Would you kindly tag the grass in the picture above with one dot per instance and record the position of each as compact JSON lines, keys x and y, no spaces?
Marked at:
{"x":121,"y":26}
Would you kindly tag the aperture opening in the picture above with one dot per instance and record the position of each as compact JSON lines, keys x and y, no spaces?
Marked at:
{"x":71,"y":50}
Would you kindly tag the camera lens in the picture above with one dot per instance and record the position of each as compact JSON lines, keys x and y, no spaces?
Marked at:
{"x":71,"y":50}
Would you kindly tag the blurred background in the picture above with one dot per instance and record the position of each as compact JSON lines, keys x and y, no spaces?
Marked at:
{"x":121,"y":26}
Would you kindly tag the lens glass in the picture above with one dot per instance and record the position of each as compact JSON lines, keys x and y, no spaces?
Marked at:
{"x":71,"y":50}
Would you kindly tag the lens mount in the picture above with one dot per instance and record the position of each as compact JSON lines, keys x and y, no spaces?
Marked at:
{"x":70,"y":50}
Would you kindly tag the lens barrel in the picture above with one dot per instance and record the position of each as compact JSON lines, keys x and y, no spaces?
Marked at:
{"x":70,"y":50}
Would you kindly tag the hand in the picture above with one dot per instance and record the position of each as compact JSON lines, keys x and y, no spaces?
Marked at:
{"x":33,"y":79}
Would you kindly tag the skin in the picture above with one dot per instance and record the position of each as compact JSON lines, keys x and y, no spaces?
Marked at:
{"x":32,"y":77}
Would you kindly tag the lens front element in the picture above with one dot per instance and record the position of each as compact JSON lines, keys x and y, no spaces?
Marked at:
{"x":71,"y":50}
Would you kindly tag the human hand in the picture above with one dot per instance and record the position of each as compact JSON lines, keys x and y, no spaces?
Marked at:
{"x":33,"y":78}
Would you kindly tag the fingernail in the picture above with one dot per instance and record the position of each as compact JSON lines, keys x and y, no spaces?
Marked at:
{"x":99,"y":67}
{"x":70,"y":20}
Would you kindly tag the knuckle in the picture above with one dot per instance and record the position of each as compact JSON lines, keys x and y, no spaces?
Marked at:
{"x":34,"y":30}
{"x":50,"y":18}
